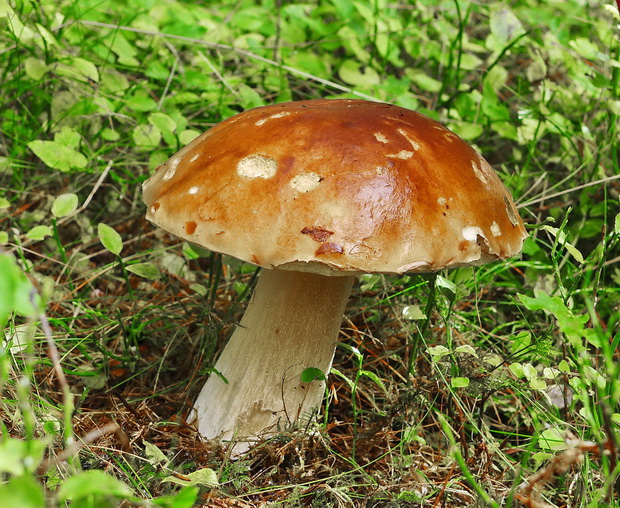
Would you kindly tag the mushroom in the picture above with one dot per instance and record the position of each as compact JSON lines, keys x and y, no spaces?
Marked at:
{"x":318,"y":192}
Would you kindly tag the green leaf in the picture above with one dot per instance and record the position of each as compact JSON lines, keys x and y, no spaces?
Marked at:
{"x":64,"y":205}
{"x":505,"y":129}
{"x":521,"y":341}
{"x":4,"y":203}
{"x":199,"y":288}
{"x":203,"y":477}
{"x":35,"y":68}
{"x":413,"y":312}
{"x":466,"y":130}
{"x":68,"y":137}
{"x":46,"y":35}
{"x":564,"y":366}
{"x":184,"y":498}
{"x":494,"y":110}
{"x":162,"y":121}
{"x":505,"y":26}
{"x":89,"y":484}
{"x":550,"y":373}
{"x":352,"y":44}
{"x":146,"y":270}
{"x":466,"y":348}
{"x":187,"y":136}
{"x":352,"y":73}
{"x":312,"y":374}
{"x":496,"y":77}
{"x":122,"y":49}
{"x":538,"y":384}
{"x":141,"y":102}
{"x":537,"y":70}
{"x":586,"y":48}
{"x":22,"y":32}
{"x":371,"y":375}
{"x":561,"y":238}
{"x":146,"y":136}
{"x":459,"y":382}
{"x":39,"y":233}
{"x":110,"y":239}
{"x":154,"y":454}
{"x":250,"y":98}
{"x":19,"y":457}
{"x":424,"y":81}
{"x":110,"y":134}
{"x":58,"y":156}
{"x":4,"y":237}
{"x":552,"y":439}
{"x":22,"y":492}
{"x":114,"y":82}
{"x":442,"y":282}
{"x":517,"y":369}
{"x":78,"y":69}
{"x":530,"y":371}
{"x":352,"y":349}
{"x":336,"y":372}
{"x":369,"y":281}
{"x":437,"y":352}
{"x":15,"y":291}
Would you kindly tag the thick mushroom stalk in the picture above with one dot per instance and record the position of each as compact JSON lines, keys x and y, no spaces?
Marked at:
{"x":291,"y":324}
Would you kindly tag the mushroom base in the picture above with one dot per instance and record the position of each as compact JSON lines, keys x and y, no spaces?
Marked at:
{"x":291,"y":324}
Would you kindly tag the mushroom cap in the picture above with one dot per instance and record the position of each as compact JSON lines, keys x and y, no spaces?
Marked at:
{"x":333,"y":186}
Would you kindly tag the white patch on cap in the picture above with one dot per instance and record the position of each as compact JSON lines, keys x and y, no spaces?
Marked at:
{"x":172,"y":168}
{"x":486,"y":168}
{"x":471,"y":233}
{"x":192,"y":190}
{"x":495,"y":230}
{"x":442,"y":201}
{"x":277,"y":115}
{"x":414,"y":144}
{"x":479,"y":174}
{"x":154,"y":208}
{"x":380,"y":137}
{"x":403,"y":154}
{"x":447,"y":133}
{"x":257,"y":166}
{"x":305,"y":182}
{"x":195,"y":157}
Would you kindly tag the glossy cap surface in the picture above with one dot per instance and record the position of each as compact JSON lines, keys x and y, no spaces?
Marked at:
{"x":336,"y":185}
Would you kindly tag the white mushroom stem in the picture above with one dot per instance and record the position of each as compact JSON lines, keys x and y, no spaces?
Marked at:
{"x":291,"y":324}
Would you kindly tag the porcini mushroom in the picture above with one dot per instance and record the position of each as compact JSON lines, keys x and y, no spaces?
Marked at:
{"x":318,"y":192}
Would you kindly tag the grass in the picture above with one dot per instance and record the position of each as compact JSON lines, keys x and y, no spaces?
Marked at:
{"x":496,"y":386}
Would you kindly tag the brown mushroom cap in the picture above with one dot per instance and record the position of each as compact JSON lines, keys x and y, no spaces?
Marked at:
{"x":336,"y":186}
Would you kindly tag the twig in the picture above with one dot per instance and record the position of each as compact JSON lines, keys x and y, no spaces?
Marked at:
{"x":240,"y":51}
{"x":219,"y":75}
{"x":567,"y":191}
{"x":52,"y":350}
{"x":90,"y":197}
{"x":170,"y":76}
{"x":529,"y":493}
{"x":98,"y":183}
{"x":88,"y":438}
